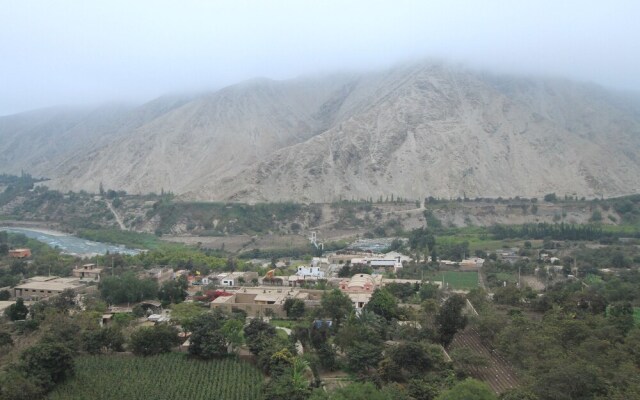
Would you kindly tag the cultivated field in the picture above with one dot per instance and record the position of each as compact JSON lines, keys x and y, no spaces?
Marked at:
{"x":497,"y":373}
{"x":168,"y":376}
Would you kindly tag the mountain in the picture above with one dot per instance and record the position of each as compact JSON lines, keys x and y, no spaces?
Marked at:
{"x":425,"y":129}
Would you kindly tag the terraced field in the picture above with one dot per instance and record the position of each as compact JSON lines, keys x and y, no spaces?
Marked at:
{"x":497,"y":373}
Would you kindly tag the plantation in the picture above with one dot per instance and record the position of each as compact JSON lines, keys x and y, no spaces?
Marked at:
{"x":167,"y":376}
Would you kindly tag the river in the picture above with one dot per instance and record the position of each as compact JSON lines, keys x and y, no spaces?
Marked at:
{"x":70,"y":244}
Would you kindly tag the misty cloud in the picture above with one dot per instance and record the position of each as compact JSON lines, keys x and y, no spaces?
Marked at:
{"x":61,"y":52}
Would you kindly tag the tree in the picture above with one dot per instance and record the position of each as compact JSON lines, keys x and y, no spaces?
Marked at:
{"x":5,"y":339}
{"x":416,"y":358}
{"x":184,"y":313}
{"x":294,"y":308}
{"x":153,"y":340}
{"x":65,"y":301}
{"x":429,"y":291}
{"x":173,"y":292}
{"x":422,"y":390}
{"x":336,"y":305}
{"x":105,"y":339}
{"x":208,"y":344}
{"x":518,"y":394}
{"x":362,"y":355}
{"x":5,"y":295}
{"x":359,"y":391}
{"x":509,"y":295}
{"x":51,"y":363}
{"x":286,"y":387}
{"x":257,"y":334}
{"x":469,"y":389}
{"x":16,"y":385}
{"x":206,"y":340}
{"x":383,"y":304}
{"x":621,"y":316}
{"x":17,"y":311}
{"x":450,"y":319}
{"x":127,"y":288}
{"x":232,"y":331}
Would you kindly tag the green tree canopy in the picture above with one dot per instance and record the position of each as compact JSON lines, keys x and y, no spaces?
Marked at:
{"x":294,"y":308}
{"x":469,"y":389}
{"x":50,"y":363}
{"x":383,"y":304}
{"x":17,"y":311}
{"x":153,"y":340}
{"x":450,"y":319}
{"x":173,"y":292}
{"x":336,"y":305}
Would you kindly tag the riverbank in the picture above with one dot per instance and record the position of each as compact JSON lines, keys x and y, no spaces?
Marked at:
{"x":36,"y":226}
{"x":70,"y":244}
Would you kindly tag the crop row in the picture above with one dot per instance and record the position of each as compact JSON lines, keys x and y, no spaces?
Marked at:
{"x":168,"y":376}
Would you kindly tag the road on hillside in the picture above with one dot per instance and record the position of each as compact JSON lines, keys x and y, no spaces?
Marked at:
{"x":116,"y":216}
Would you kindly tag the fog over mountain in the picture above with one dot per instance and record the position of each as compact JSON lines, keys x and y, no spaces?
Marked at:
{"x":413,"y":130}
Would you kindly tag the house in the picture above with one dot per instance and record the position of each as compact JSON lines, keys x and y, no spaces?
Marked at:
{"x":472,"y":263}
{"x":319,"y":262}
{"x":379,"y":262}
{"x":295,"y":280}
{"x":159,"y":274}
{"x":87,"y":273}
{"x":230,"y":279}
{"x":40,"y":287}
{"x":359,"y":300}
{"x":20,"y":253}
{"x":259,"y":301}
{"x":361,"y":283}
{"x":395,"y":254}
{"x":310,"y":271}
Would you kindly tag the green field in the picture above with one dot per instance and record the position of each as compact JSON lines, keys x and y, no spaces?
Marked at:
{"x":457,"y":280}
{"x":167,"y":376}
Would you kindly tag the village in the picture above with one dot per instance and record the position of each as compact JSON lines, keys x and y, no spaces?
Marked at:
{"x":257,"y":296}
{"x":452,"y":312}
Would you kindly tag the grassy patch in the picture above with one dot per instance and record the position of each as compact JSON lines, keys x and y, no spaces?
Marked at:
{"x":287,"y":323}
{"x":127,"y":238}
{"x":457,"y":280}
{"x":284,"y":323}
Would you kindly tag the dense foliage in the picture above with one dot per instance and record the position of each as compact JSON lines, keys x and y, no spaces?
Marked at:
{"x":127,"y":288}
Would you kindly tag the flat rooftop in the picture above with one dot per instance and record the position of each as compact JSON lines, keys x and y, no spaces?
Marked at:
{"x":50,"y":283}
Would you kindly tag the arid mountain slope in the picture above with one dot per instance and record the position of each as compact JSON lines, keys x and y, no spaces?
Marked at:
{"x":412,"y":131}
{"x":447,"y":133}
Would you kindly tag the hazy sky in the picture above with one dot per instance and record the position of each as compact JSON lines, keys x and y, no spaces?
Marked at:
{"x":78,"y":52}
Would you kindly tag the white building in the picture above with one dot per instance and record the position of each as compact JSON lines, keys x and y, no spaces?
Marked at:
{"x":310,"y":271}
{"x":230,"y":279}
{"x":379,"y":262}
